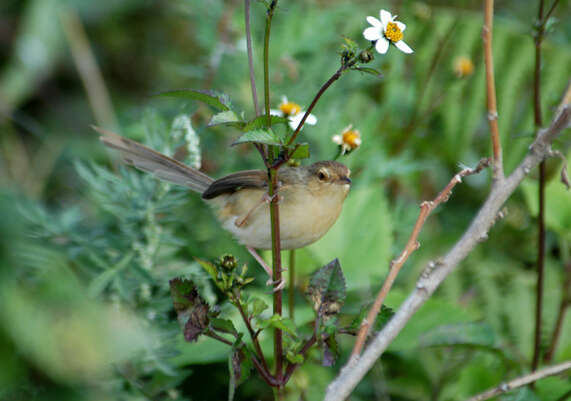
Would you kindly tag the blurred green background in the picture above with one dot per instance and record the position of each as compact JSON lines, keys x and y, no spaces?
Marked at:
{"x":87,"y":247}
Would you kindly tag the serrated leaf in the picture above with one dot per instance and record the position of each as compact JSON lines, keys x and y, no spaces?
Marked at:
{"x":262,"y":122}
{"x":192,"y":310}
{"x":369,"y":70}
{"x":301,"y":151}
{"x":265,"y":136}
{"x":327,"y":289}
{"x":227,"y":117}
{"x":209,"y":267}
{"x":218,"y":101}
{"x":223,"y":325}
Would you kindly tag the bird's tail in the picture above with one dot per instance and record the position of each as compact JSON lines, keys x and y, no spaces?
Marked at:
{"x":156,"y":163}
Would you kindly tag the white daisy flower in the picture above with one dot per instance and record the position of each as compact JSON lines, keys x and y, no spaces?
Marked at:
{"x":348,"y":140}
{"x":293,"y":112}
{"x":386,"y":31}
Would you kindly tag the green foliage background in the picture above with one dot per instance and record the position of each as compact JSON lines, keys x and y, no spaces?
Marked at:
{"x":87,"y":247}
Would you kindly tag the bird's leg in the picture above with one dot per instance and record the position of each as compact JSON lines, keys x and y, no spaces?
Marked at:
{"x":241,"y":221}
{"x":268,"y":270}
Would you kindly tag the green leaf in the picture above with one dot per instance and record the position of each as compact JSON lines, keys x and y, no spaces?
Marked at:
{"x":294,"y":357}
{"x":350,"y":42}
{"x":266,"y":136}
{"x":261,"y":122}
{"x":223,"y":325}
{"x":301,"y":151}
{"x":227,"y":117}
{"x":218,"y":101}
{"x":327,"y":289}
{"x":258,"y":306}
{"x":209,"y":267}
{"x":279,"y":322}
{"x":382,"y":319}
{"x":369,"y":70}
{"x":99,"y":283}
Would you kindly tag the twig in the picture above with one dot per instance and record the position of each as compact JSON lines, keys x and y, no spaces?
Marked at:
{"x":541,"y":194}
{"x":253,"y":335}
{"x":355,"y":370}
{"x":491,"y":89}
{"x":251,"y":57}
{"x":88,"y":70}
{"x":322,"y":90}
{"x":412,"y":245}
{"x":304,"y":350}
{"x":522,"y":381}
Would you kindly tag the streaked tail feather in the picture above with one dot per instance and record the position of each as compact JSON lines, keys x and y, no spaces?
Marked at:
{"x":161,"y":166}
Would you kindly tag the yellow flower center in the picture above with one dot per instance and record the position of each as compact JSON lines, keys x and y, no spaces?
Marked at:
{"x":393,"y":32}
{"x":463,"y":67}
{"x":352,"y":139}
{"x":290,"y":108}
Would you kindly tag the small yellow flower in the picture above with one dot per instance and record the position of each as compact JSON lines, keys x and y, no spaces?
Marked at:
{"x":293,"y":112}
{"x":463,"y":67}
{"x":348,"y":140}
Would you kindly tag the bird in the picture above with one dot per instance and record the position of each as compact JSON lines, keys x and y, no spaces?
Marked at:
{"x":310,"y":197}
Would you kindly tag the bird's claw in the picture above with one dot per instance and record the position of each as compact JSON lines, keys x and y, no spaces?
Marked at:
{"x":280,"y":284}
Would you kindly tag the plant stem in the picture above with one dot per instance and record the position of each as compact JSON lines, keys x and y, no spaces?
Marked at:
{"x":541,"y":194}
{"x":291,"y":292}
{"x":251,"y":57}
{"x":563,"y":306}
{"x":253,"y":335}
{"x":491,"y":90}
{"x":274,"y":209}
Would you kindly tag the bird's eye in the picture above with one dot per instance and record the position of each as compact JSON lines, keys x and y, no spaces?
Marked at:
{"x":323,"y":175}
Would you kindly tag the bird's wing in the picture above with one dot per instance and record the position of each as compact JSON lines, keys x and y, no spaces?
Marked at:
{"x":233,"y":182}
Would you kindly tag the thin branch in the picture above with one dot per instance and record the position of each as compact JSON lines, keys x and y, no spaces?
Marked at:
{"x":523,"y":381}
{"x":303,"y":352}
{"x":541,"y":194}
{"x":253,"y":335}
{"x":251,"y":57}
{"x":322,"y":90}
{"x":491,"y":89}
{"x":435,"y":273}
{"x":88,"y":70}
{"x":215,"y":336}
{"x":546,"y":18}
{"x":412,"y":245}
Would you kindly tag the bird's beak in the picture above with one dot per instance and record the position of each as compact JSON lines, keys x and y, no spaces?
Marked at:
{"x":346,"y":180}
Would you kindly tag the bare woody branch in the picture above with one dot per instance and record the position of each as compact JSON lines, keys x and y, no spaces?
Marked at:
{"x":412,"y":245}
{"x":491,"y":89}
{"x":438,"y":270}
{"x":522,"y":381}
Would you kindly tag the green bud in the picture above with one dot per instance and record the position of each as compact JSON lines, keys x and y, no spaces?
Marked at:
{"x":228,"y":262}
{"x":366,"y":56}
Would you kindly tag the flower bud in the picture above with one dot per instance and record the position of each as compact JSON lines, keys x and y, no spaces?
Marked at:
{"x":366,"y":56}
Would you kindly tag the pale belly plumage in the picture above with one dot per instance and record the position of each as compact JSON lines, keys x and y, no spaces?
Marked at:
{"x":304,"y":217}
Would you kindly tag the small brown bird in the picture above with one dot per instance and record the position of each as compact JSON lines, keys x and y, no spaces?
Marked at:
{"x":310,"y":197}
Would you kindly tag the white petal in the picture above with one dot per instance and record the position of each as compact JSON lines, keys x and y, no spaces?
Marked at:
{"x":284,"y":99}
{"x":382,"y":45}
{"x":403,"y":47}
{"x":374,"y":21}
{"x":294,"y":121}
{"x":311,"y":119}
{"x":372,"y":33}
{"x":401,"y":26}
{"x":337,"y":139}
{"x":385,"y":18}
{"x":275,"y":112}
